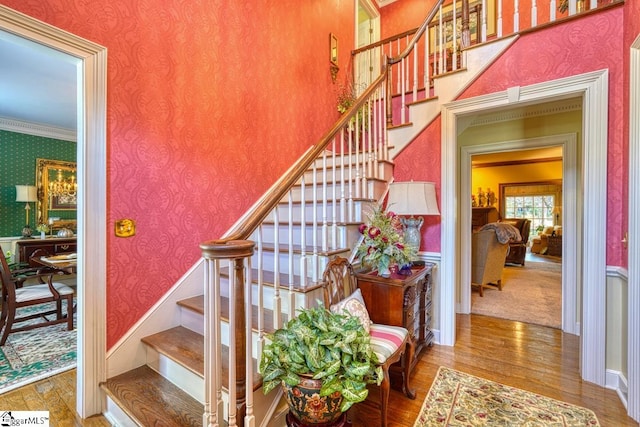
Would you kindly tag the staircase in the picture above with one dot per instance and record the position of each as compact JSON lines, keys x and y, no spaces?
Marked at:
{"x":188,"y":361}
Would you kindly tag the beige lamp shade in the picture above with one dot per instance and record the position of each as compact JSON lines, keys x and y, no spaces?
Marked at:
{"x":413,"y":198}
{"x":26,"y":193}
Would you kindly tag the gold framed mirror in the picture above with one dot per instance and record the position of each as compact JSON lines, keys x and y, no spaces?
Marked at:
{"x":57,"y":188}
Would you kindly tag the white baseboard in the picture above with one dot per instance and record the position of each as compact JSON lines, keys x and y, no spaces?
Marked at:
{"x":615,"y":380}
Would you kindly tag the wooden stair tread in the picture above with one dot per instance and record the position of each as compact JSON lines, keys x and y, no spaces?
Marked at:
{"x":186,"y":347}
{"x":181,"y":345}
{"x":150,"y":399}
{"x":196,"y":304}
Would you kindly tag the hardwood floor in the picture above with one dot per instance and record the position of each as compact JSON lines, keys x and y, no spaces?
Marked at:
{"x":57,"y":395}
{"x":534,"y":358}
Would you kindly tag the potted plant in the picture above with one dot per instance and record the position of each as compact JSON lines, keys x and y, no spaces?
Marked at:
{"x":383,"y":247}
{"x":323,"y":361}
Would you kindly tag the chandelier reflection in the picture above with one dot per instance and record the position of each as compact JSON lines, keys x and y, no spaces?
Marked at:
{"x":65,"y":189}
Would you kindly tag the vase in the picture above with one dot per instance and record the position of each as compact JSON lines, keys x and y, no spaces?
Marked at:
{"x":384,"y":272}
{"x":308,"y":407}
{"x":42,"y":235}
{"x":394,"y":269}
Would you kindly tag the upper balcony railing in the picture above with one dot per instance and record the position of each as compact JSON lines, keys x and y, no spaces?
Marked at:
{"x":437,"y":47}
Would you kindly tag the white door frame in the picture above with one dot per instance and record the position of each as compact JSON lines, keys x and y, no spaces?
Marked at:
{"x":373,"y":60}
{"x":633,"y":310}
{"x":593,"y":88}
{"x":570,"y":209}
{"x":91,"y":174}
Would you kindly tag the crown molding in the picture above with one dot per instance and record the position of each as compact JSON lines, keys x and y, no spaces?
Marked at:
{"x":563,"y":106}
{"x":18,"y":126}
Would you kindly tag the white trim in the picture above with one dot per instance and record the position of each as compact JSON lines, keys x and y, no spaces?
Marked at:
{"x":570,"y":208}
{"x":633,"y":310}
{"x":37,"y":129}
{"x":593,"y":88}
{"x":92,"y":66}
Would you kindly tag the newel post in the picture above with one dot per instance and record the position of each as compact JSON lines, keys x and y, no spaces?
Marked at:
{"x":236,"y":253}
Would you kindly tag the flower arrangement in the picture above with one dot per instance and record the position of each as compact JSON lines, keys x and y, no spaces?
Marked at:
{"x":43,"y":228}
{"x":347,"y":96}
{"x":383,"y":242}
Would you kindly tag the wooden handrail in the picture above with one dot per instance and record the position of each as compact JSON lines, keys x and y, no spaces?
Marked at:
{"x":418,"y":34}
{"x":255,"y":218}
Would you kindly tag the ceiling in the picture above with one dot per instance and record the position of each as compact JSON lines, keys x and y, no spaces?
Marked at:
{"x":38,"y":84}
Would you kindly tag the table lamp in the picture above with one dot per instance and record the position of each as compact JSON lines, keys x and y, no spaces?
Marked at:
{"x":413,"y":198}
{"x":556,"y":213}
{"x":26,"y":194}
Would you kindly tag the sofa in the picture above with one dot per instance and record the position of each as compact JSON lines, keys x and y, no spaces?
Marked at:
{"x":518,"y":248}
{"x":540,"y":243}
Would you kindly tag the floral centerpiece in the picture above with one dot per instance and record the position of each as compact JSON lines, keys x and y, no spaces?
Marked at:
{"x":383,"y":244}
{"x":43,"y":228}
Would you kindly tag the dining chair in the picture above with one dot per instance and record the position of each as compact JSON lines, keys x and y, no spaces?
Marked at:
{"x":389,"y":343}
{"x":44,"y":291}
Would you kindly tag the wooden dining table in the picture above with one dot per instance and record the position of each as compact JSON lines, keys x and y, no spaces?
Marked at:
{"x":65,"y":263}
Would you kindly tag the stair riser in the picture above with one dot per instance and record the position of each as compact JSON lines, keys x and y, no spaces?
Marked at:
{"x":314,"y":265}
{"x":352,"y":162}
{"x":338,"y":210}
{"x":343,"y":236}
{"x":371,"y":189}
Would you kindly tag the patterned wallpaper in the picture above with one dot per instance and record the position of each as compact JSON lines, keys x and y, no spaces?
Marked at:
{"x":18,"y":167}
{"x":583,"y":45}
{"x":208,"y":104}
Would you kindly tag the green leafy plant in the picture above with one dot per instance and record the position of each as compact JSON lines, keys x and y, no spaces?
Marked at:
{"x":329,"y":346}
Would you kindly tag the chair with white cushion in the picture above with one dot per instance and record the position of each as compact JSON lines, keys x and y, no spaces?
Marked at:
{"x":389,"y":343}
{"x":15,"y":297}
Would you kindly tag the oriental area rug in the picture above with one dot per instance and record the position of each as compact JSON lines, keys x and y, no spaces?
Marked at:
{"x":30,"y":356}
{"x":459,"y":399}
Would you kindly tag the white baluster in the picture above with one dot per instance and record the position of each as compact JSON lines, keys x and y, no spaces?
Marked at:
{"x":534,"y":13}
{"x":325,"y":225}
{"x":277,"y":303}
{"x":334,"y":197}
{"x":516,"y":16}
{"x":231,"y":390}
{"x":314,"y":218}
{"x":249,"y":419}
{"x":499,"y":23}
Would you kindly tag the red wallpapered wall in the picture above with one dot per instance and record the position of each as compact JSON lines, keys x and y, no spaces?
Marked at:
{"x":208,"y":104}
{"x":582,"y":45}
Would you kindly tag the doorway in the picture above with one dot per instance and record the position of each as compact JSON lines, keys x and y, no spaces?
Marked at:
{"x":528,"y":184}
{"x":367,"y":67}
{"x":91,"y":175}
{"x":590,"y":259}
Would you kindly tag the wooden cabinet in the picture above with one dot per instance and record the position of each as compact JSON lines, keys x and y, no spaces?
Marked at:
{"x":482,"y":216}
{"x":51,"y":246}
{"x":554,"y":245}
{"x":401,"y":301}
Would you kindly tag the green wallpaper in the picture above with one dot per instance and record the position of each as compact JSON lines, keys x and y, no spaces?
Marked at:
{"x":18,"y":154}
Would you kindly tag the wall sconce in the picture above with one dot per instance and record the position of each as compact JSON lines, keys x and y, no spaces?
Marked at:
{"x":333,"y":57}
{"x":26,"y":194}
{"x":412,"y":198}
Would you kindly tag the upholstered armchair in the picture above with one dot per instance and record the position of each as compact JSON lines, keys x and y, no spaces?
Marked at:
{"x":518,"y":248}
{"x":487,"y":260}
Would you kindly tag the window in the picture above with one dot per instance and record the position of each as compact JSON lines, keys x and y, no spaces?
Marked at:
{"x":532,"y":200}
{"x":538,"y":208}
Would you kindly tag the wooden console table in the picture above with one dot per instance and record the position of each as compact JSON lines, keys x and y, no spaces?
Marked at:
{"x":401,"y":301}
{"x":25,"y":248}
